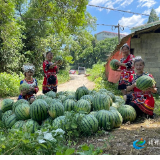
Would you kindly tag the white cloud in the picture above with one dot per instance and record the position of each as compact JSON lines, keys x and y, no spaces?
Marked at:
{"x":147,"y":11}
{"x":158,"y":10}
{"x":126,"y":3}
{"x":126,"y":33}
{"x":146,"y":3}
{"x":135,"y":20}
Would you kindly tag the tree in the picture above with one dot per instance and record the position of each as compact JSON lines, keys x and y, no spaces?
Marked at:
{"x":153,"y":16}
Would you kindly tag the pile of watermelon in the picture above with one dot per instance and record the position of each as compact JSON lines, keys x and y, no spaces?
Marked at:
{"x":94,"y":110}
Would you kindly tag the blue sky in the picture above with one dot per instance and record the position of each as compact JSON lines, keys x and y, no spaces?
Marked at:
{"x":110,"y":17}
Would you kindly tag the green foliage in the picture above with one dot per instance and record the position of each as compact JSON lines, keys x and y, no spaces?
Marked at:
{"x":63,"y":76}
{"x":9,"y":84}
{"x":153,"y":16}
{"x":157,"y":107}
{"x":97,"y":75}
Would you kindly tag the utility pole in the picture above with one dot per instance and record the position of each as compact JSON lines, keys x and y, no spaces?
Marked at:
{"x":119,"y":27}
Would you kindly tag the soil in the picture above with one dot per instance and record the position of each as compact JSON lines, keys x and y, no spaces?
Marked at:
{"x":119,"y":141}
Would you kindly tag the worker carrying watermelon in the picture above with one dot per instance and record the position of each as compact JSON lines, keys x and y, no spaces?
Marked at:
{"x":142,"y":85}
{"x":51,"y":69}
{"x":28,"y":86}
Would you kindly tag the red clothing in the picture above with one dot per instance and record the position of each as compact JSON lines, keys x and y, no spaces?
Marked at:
{"x":143,"y":99}
{"x":127,"y":70}
{"x":47,"y":73}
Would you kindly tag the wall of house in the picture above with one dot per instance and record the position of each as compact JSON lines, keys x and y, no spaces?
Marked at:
{"x":148,"y":47}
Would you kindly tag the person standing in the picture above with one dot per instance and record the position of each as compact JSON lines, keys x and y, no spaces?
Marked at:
{"x":126,"y":68}
{"x":29,"y":70}
{"x":50,"y":74}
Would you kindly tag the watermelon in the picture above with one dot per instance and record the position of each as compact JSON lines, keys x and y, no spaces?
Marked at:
{"x":24,"y":87}
{"x":55,"y":100}
{"x":89,"y":98}
{"x":48,"y":100}
{"x":30,"y":126}
{"x":6,"y":105}
{"x":83,"y":105}
{"x":81,"y":91}
{"x":10,"y":121}
{"x":69,"y":104}
{"x":60,"y":59}
{"x":62,"y":98}
{"x":100,"y":102}
{"x":60,"y":93}
{"x":78,"y":117}
{"x":70,"y":97}
{"x":6,"y":115}
{"x":103,"y":90}
{"x":128,"y":113}
{"x":41,"y":97}
{"x":93,"y":113}
{"x":105,"y":119}
{"x":89,"y":124}
{"x":144,"y":82}
{"x":22,"y":111}
{"x":19,"y":124}
{"x":93,"y":92}
{"x":112,"y":96}
{"x":38,"y":110}
{"x":59,"y":122}
{"x":56,"y":110}
{"x":51,"y":94}
{"x":115,"y":105}
{"x":113,"y":65}
{"x":117,"y":117}
{"x":19,"y":102}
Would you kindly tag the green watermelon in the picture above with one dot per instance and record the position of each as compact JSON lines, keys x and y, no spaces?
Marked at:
{"x":105,"y":119}
{"x":83,"y":105}
{"x":48,"y":100}
{"x":41,"y":97}
{"x":81,"y":91}
{"x":101,"y":101}
{"x":51,"y":94}
{"x":38,"y":110}
{"x":56,"y":110}
{"x":60,"y":59}
{"x":19,"y":102}
{"x":62,"y":98}
{"x":128,"y":113}
{"x":115,"y":105}
{"x":113,"y":65}
{"x":6,"y":105}
{"x":19,"y":124}
{"x":144,"y":82}
{"x":24,"y":87}
{"x":30,"y":126}
{"x":117,"y":117}
{"x":47,"y":121}
{"x":59,"y":122}
{"x":89,"y":124}
{"x":112,"y":96}
{"x":89,"y":98}
{"x":22,"y":111}
{"x":10,"y":121}
{"x":69,"y":104}
{"x":93,"y":113}
{"x":6,"y":115}
{"x":60,"y":93}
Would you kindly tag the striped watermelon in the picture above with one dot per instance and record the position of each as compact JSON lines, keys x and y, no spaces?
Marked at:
{"x":89,"y":124}
{"x":56,"y":100}
{"x":41,"y":97}
{"x":24,"y":87}
{"x":30,"y":126}
{"x":81,"y":91}
{"x":119,"y":100}
{"x":115,"y":105}
{"x":19,"y":102}
{"x":10,"y":121}
{"x":60,"y":59}
{"x":128,"y":113}
{"x":6,"y":115}
{"x":93,"y":92}
{"x":88,"y":98}
{"x":6,"y":105}
{"x":100,"y":102}
{"x":113,"y":65}
{"x":70,"y":97}
{"x":51,"y":94}
{"x":59,"y":122}
{"x":60,"y":93}
{"x":22,"y":111}
{"x":38,"y":110}
{"x":69,"y":104}
{"x":94,"y":113}
{"x":112,"y":96}
{"x":62,"y":98}
{"x":79,"y":117}
{"x":19,"y":124}
{"x":48,"y":100}
{"x":103,"y":90}
{"x":117,"y":117}
{"x":83,"y":105}
{"x":144,"y":82}
{"x":105,"y":119}
{"x":56,"y":110}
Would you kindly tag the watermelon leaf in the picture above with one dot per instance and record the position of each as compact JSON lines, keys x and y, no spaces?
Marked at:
{"x":69,"y":151}
{"x":85,"y":148}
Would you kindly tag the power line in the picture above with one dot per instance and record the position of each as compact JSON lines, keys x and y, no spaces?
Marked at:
{"x":112,"y":25}
{"x":118,"y":10}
